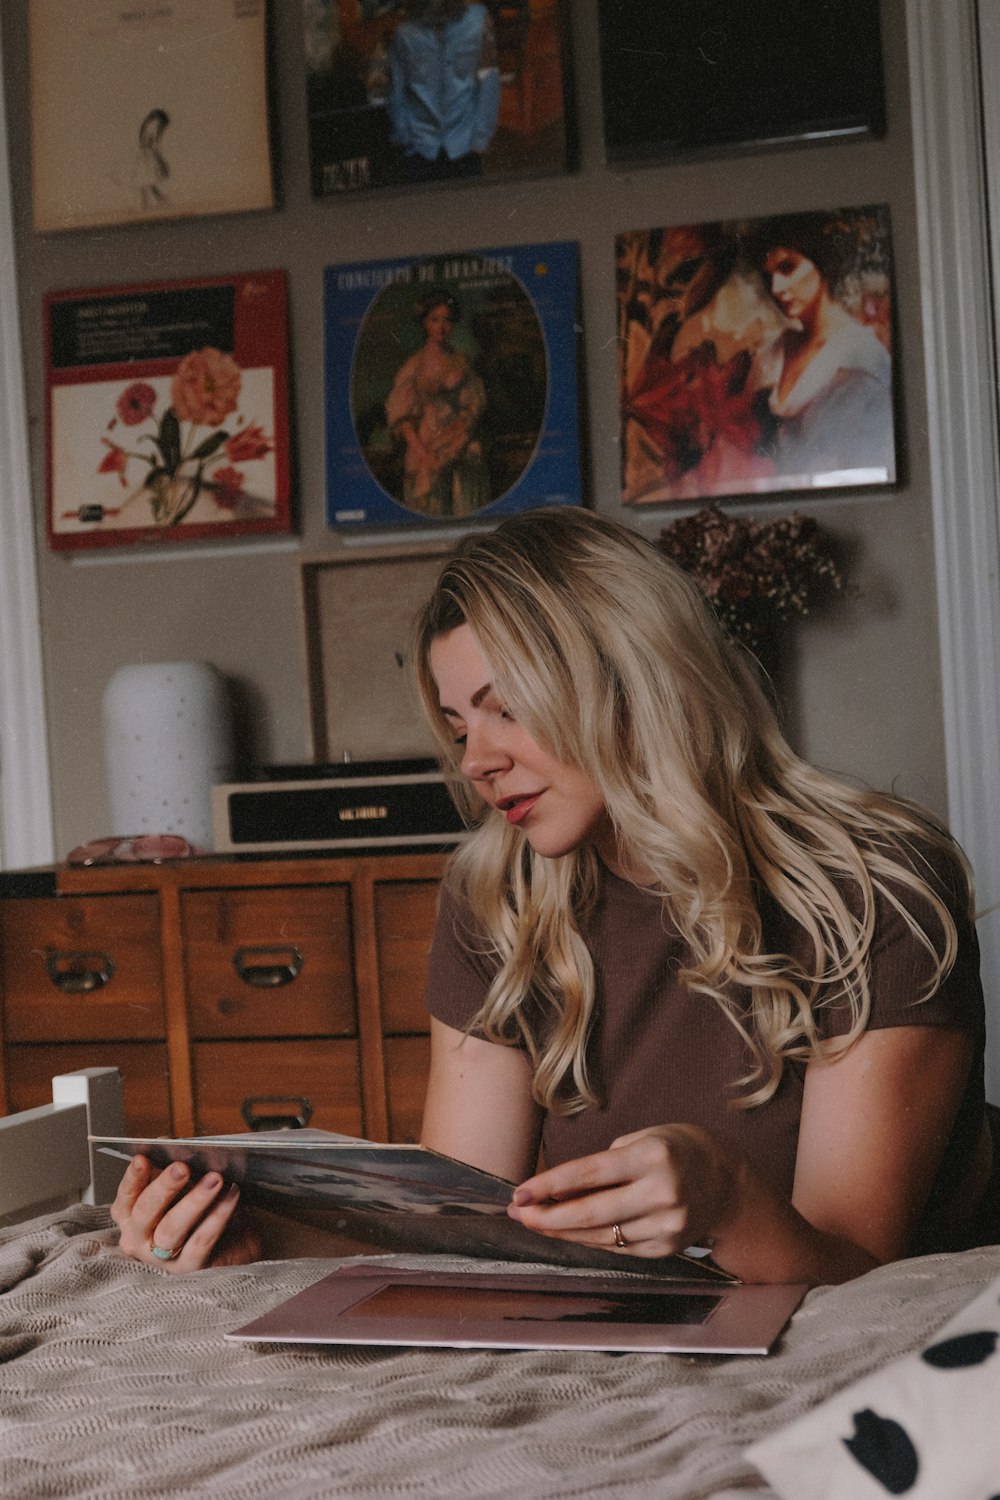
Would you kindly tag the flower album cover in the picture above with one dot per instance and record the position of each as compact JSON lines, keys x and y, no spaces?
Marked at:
{"x":144,"y":112}
{"x":451,"y":385}
{"x":167,"y":411}
{"x":755,"y":356}
{"x":418,"y":91}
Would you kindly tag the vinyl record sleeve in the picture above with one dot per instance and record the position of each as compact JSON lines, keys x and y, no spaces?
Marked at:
{"x":368,"y":1304}
{"x":373,"y":123}
{"x":401,"y":1196}
{"x":146,"y":112}
{"x":452,"y":385}
{"x":167,"y":411}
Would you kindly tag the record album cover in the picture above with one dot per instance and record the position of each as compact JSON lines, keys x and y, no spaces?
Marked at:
{"x":451,"y":385}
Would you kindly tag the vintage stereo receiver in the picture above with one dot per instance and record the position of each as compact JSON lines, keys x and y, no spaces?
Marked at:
{"x":350,"y":807}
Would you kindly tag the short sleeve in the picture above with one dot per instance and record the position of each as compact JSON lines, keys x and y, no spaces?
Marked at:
{"x":901,"y":968}
{"x":461,"y":969}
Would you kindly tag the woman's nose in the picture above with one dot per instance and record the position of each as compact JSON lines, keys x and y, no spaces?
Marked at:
{"x":482,"y":757}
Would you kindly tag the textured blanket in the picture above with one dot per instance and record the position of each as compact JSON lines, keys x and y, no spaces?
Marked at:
{"x":115,"y":1381}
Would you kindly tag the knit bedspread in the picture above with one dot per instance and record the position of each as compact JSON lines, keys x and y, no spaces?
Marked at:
{"x":116,"y":1381}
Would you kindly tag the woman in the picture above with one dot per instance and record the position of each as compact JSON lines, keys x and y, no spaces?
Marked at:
{"x":434,"y":406}
{"x":829,"y":378}
{"x":735,"y":1002}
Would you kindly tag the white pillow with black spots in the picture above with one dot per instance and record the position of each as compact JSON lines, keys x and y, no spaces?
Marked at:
{"x":926,"y":1427}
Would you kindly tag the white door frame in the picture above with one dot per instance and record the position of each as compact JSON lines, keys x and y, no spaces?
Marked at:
{"x":953,"y":170}
{"x":25,"y":795}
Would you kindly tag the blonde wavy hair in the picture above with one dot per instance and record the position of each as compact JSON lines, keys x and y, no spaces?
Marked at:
{"x":610,"y":657}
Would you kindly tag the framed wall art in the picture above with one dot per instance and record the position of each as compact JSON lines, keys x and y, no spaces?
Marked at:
{"x":358,"y":608}
{"x":167,"y":411}
{"x":420,"y":91}
{"x":712,"y":77}
{"x":755,"y":356}
{"x":451,"y":385}
{"x":146,"y":112}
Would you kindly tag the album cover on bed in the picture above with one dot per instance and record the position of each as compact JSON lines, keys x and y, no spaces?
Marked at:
{"x":400,"y":1196}
{"x":368,"y":1304}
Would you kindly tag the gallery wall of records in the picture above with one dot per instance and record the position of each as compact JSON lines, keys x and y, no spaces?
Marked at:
{"x":754,"y":356}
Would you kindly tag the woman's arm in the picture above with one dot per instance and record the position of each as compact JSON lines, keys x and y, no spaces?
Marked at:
{"x":873,"y":1129}
{"x":479,"y":1105}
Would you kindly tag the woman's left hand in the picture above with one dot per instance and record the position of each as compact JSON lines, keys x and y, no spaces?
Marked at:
{"x":661,"y":1189}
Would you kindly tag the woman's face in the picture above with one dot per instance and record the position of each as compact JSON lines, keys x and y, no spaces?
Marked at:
{"x":439,"y":323}
{"x":556,"y":806}
{"x":796,"y":284}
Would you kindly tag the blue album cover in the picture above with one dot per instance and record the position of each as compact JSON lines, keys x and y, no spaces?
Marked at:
{"x":451,"y":385}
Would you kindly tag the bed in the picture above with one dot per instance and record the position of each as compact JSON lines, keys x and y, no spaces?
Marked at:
{"x":116,"y":1381}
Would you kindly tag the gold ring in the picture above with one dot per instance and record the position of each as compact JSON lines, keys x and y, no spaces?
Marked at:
{"x":162,"y":1254}
{"x":616,"y":1229}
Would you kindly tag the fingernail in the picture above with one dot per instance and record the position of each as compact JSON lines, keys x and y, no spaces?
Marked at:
{"x":211,"y":1180}
{"x":178,"y":1172}
{"x":231,"y":1192}
{"x":521,"y":1197}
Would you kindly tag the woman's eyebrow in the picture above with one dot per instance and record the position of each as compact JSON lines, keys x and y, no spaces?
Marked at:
{"x":474,"y":701}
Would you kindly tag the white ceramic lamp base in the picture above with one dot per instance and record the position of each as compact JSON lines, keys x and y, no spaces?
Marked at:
{"x":167,"y":742}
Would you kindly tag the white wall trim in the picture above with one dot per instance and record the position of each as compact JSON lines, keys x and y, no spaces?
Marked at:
{"x":962,"y":413}
{"x":25,"y":796}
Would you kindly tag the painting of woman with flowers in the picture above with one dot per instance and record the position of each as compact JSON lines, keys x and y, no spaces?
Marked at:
{"x":190,"y":445}
{"x":756,"y":356}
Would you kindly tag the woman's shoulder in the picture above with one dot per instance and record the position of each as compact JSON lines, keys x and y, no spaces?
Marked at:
{"x":914,"y":898}
{"x":857,"y":347}
{"x":462,"y":960}
{"x":923,"y":957}
{"x":920,"y":874}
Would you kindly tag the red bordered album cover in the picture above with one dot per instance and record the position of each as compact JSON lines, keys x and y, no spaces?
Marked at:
{"x":167,"y":411}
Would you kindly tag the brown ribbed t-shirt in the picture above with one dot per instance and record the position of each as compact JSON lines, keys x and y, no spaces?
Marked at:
{"x":659,"y":1053}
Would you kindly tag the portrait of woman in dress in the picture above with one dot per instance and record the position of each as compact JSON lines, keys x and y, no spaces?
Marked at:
{"x":755,"y":356}
{"x":434,"y":409}
{"x":828,"y":375}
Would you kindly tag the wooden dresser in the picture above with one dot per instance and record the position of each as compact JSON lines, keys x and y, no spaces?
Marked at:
{"x":225,"y":989}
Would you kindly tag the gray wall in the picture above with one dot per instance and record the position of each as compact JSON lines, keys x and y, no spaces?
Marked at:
{"x":863,"y":682}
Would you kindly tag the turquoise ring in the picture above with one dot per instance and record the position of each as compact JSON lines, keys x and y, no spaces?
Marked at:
{"x":162,"y":1254}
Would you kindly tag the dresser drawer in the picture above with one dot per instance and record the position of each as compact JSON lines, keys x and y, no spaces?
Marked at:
{"x":84,"y":968}
{"x":229,"y":1074}
{"x":405,"y":913}
{"x":143,"y":1066}
{"x":269,"y":961}
{"x":407,"y":1062}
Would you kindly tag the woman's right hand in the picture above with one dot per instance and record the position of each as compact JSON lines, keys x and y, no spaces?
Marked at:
{"x":197,"y":1221}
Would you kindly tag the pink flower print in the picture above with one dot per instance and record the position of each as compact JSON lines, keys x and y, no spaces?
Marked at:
{"x":135,"y":403}
{"x":206,"y":387}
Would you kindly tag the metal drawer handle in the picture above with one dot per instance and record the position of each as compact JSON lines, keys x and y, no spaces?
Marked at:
{"x":268,"y":976}
{"x":273,"y":1120}
{"x":79,"y":973}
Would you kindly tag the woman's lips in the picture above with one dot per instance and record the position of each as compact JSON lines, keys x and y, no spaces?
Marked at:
{"x":516,"y":808}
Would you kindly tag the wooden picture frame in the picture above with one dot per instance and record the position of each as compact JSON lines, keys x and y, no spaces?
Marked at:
{"x":357,"y":610}
{"x":143,"y":113}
